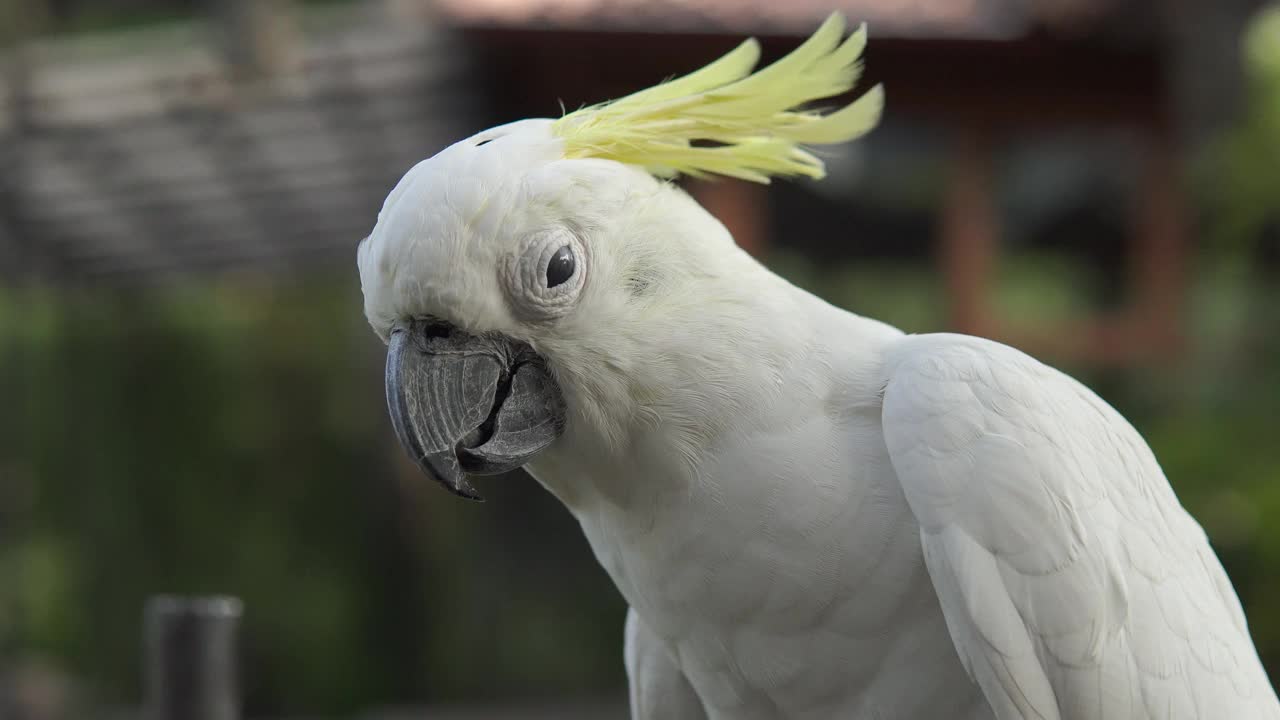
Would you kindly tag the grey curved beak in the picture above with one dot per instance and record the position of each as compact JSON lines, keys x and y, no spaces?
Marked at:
{"x":465,"y":404}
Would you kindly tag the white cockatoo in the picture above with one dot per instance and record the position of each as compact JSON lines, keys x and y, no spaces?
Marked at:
{"x":810,"y":513}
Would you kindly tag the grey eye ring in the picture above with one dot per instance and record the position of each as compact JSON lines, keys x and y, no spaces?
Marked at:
{"x":546,"y":274}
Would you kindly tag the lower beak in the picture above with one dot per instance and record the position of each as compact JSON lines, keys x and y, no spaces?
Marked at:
{"x":468,"y":404}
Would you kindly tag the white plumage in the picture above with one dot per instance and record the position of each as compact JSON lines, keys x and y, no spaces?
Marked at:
{"x":1073,"y":583}
{"x":811,"y":514}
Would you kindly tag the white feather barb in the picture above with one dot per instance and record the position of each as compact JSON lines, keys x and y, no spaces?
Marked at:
{"x":751,"y":125}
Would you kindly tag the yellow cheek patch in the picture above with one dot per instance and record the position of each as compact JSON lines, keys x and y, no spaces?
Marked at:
{"x":749,"y":125}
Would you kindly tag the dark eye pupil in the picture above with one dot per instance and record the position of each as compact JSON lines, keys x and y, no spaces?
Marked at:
{"x":561,"y":267}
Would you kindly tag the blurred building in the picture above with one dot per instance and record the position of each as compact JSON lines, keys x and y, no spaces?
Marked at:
{"x":1106,"y":95}
{"x":263,"y":138}
{"x":272,"y":139}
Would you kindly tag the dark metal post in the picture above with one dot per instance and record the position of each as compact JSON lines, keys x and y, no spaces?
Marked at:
{"x":191,"y":655}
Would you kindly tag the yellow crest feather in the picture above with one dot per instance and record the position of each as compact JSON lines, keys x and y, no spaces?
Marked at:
{"x":753,"y":120}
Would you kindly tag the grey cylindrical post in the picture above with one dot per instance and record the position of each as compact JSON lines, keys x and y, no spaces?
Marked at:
{"x":192,"y":658}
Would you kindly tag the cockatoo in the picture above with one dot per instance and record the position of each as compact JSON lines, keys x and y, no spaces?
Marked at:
{"x":810,"y":513}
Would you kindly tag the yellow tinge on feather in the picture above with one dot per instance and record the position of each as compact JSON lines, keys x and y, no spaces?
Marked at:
{"x":754,"y":121}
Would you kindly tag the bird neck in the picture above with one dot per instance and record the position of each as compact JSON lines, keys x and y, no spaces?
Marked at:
{"x":661,"y":403}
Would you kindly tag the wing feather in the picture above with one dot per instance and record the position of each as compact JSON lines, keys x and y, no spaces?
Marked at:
{"x":1073,"y":583}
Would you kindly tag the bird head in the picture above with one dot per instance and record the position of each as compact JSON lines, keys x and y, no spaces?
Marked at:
{"x":529,"y":278}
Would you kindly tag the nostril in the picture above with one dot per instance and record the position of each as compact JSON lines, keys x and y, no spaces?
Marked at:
{"x":423,"y":332}
{"x":434,"y":328}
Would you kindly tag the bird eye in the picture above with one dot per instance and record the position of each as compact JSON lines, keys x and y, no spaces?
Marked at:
{"x":561,"y":266}
{"x":545,"y":275}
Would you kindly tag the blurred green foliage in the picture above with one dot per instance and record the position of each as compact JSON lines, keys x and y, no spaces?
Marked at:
{"x":230,"y":438}
{"x":1240,"y":173}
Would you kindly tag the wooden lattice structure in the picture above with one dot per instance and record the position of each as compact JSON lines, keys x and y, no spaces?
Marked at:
{"x":142,"y":154}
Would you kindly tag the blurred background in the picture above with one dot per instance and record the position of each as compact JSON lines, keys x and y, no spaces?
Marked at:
{"x":191,"y":401}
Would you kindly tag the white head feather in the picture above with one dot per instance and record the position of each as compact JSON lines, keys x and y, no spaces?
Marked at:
{"x":465,"y":235}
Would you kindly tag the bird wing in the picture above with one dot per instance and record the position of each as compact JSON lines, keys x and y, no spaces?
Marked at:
{"x":1073,"y":583}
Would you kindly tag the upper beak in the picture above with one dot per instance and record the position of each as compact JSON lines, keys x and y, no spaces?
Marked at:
{"x":468,"y":404}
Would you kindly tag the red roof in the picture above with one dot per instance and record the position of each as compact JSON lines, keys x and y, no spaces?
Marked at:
{"x":989,"y":19}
